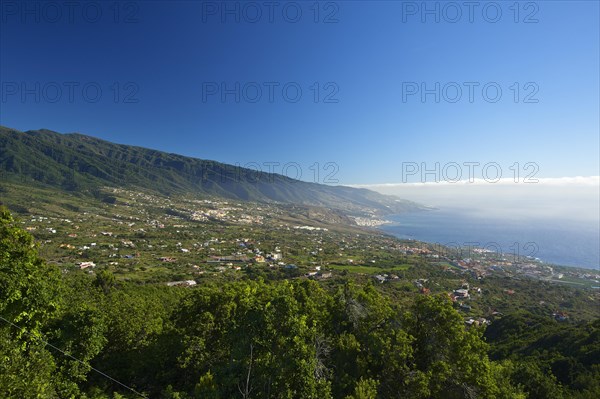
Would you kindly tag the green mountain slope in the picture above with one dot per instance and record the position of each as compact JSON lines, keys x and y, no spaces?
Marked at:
{"x":75,"y":162}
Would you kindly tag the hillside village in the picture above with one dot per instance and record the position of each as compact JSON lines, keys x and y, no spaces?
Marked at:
{"x":184,"y":241}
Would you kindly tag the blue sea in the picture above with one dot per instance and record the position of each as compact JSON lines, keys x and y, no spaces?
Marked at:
{"x":557,"y":241}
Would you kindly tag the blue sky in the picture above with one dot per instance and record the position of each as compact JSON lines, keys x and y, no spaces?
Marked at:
{"x":162,"y":66}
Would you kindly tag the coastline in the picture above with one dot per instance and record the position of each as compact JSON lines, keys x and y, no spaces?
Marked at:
{"x":548,"y":242}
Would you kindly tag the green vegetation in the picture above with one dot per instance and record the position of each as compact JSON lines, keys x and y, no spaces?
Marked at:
{"x":75,"y":163}
{"x":263,"y":333}
{"x":369,"y":269}
{"x":129,"y":274}
{"x":550,"y":359}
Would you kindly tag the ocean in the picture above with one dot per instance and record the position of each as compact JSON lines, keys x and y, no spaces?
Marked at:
{"x":559,"y":241}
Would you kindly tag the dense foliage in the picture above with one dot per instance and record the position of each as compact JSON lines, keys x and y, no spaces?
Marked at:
{"x":61,"y":337}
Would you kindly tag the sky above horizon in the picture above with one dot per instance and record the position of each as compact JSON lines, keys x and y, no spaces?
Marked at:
{"x":352,"y":92}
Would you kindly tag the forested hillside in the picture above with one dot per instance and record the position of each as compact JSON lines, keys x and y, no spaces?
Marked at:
{"x":63,"y":336}
{"x":77,"y":163}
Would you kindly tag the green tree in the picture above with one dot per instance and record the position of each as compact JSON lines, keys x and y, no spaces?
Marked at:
{"x":369,"y":342}
{"x":365,"y":389}
{"x":25,"y":373}
{"x":29,"y":298}
{"x":453,"y":357}
{"x":105,"y":280}
{"x":29,"y":288}
{"x":256,"y":339}
{"x":536,"y":382}
{"x":80,"y":332}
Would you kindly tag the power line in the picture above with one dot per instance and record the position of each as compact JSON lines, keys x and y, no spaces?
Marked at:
{"x":74,"y":358}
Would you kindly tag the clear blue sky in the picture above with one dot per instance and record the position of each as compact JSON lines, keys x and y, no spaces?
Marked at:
{"x":165,"y":55}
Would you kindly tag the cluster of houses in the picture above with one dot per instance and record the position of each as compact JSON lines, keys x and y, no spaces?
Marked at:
{"x":318,"y":274}
{"x":369,"y":222}
{"x":382,"y":278}
{"x":311,"y":228}
{"x":464,"y":292}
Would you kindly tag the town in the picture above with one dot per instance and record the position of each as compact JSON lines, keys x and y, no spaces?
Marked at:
{"x":185,"y":241}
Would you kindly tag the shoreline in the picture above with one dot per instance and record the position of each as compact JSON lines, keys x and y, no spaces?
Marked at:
{"x":487,"y":244}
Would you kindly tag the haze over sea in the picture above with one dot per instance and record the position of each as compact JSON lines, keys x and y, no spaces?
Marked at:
{"x":557,"y":241}
{"x":560,"y":216}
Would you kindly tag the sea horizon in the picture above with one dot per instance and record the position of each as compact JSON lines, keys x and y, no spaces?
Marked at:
{"x":556,"y":241}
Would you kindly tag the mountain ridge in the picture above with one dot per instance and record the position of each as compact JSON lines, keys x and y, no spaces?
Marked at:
{"x":78,"y":162}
